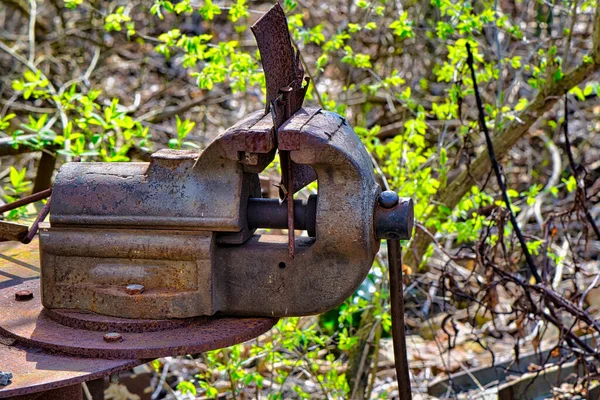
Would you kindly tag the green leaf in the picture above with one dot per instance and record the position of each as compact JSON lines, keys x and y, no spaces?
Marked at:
{"x":322,"y":61}
{"x":571,"y":183}
{"x":238,"y":10}
{"x":402,"y":27}
{"x":209,"y":10}
{"x":576,"y":91}
{"x":186,"y":387}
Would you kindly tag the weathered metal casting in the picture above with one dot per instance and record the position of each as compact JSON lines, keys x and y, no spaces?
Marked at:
{"x":185,"y":216}
{"x":85,"y":335}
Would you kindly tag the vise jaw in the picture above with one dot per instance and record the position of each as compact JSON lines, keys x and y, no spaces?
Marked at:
{"x":182,"y":226}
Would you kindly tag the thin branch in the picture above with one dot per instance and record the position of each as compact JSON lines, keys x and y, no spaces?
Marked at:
{"x":567,"y":140}
{"x":499,"y":176}
{"x":33,"y":68}
{"x":32,"y":17}
{"x":86,"y":76}
{"x":575,"y":171}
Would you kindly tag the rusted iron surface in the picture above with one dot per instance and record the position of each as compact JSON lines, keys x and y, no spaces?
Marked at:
{"x":177,"y":190}
{"x":185,"y":216}
{"x":251,"y":141}
{"x":26,"y":322}
{"x":284,"y":77}
{"x":35,"y":370}
{"x":280,"y":61}
{"x":90,"y":268}
{"x":18,"y":264}
{"x":287,"y":183}
{"x":325,"y":270}
{"x":102,"y":323}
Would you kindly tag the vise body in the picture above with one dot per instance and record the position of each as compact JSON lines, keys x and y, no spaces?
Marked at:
{"x":183,"y":226}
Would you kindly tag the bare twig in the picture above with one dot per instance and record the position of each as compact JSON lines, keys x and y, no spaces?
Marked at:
{"x":34,"y":69}
{"x":32,"y":17}
{"x":575,"y":170}
{"x":499,"y":175}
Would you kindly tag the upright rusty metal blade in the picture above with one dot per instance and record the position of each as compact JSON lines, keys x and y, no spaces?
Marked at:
{"x":280,"y":62}
{"x":285,"y":94}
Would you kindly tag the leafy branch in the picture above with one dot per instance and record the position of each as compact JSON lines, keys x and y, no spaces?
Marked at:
{"x":500,"y":178}
{"x":508,"y":136}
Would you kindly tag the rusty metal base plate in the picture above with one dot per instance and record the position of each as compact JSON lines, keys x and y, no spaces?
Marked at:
{"x":26,"y":322}
{"x":35,"y":370}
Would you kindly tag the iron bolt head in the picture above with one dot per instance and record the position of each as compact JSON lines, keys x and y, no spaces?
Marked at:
{"x":135,"y":289}
{"x":388,"y":199}
{"x":24,"y":295}
{"x":113,"y":337}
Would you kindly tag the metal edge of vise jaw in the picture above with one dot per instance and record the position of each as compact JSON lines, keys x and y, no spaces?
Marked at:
{"x":179,"y":226}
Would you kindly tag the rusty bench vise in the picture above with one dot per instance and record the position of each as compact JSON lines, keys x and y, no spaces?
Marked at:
{"x":182,"y":227}
{"x":144,"y":260}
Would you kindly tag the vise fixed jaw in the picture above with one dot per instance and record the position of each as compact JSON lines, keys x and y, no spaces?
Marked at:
{"x":182,"y":226}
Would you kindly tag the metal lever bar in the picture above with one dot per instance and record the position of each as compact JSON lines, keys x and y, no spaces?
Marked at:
{"x":394,"y":218}
{"x":26,"y":200}
{"x":17,"y":232}
{"x":397,"y":305}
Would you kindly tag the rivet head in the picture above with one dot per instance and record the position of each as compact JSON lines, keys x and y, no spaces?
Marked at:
{"x":135,"y":289}
{"x":113,"y":337}
{"x":388,"y":199}
{"x":24,"y":295}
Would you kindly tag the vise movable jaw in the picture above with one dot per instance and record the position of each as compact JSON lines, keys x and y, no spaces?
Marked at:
{"x":182,"y":226}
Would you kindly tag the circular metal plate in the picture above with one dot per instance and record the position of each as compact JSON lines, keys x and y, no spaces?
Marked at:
{"x":96,"y":322}
{"x":25,"y":321}
{"x":35,"y":370}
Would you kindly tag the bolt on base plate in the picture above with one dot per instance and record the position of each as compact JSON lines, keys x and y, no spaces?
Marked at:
{"x":28,"y":323}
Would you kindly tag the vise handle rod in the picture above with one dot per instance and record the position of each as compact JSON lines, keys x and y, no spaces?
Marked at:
{"x":393,"y":216}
